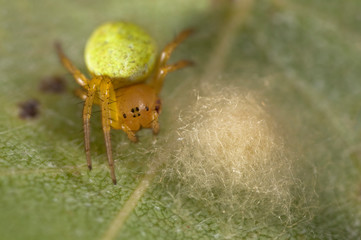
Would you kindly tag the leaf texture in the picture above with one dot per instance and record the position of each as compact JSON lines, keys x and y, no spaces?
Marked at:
{"x":303,"y":60}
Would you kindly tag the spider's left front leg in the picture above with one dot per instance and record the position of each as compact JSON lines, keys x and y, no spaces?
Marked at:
{"x":161,"y":68}
{"x":163,"y":71}
{"x":109,"y":112}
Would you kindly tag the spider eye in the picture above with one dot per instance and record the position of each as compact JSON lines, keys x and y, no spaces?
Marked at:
{"x":124,"y":115}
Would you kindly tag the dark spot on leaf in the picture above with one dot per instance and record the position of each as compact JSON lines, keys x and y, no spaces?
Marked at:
{"x":29,"y":109}
{"x":52,"y":84}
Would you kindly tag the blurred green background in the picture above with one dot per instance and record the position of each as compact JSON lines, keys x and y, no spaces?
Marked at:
{"x":302,"y":57}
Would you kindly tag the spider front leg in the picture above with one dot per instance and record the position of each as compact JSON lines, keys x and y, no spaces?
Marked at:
{"x":78,"y":76}
{"x":107,"y":97}
{"x":163,"y":71}
{"x":167,"y":51}
{"x":161,"y":68}
{"x":86,"y":117}
{"x":91,"y":87}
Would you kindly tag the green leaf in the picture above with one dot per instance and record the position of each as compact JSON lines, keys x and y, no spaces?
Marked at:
{"x":303,"y":60}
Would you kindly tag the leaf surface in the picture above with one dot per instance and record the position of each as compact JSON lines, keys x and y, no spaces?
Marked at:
{"x":304,"y":59}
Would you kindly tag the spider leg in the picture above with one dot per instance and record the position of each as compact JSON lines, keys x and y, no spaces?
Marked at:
{"x":80,"y":93}
{"x":163,"y":71}
{"x":94,"y":83}
{"x":131,"y":135}
{"x":167,"y":51}
{"x":120,"y":125}
{"x":155,"y":124}
{"x":78,"y":76}
{"x":106,"y":88}
{"x":117,"y":123}
{"x":157,"y":81}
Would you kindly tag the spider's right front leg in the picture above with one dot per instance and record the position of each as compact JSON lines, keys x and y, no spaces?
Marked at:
{"x":108,"y":103}
{"x":78,"y":76}
{"x":94,"y":83}
{"x":88,"y":96}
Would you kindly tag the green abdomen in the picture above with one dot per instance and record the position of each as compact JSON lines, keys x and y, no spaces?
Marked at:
{"x":121,"y":51}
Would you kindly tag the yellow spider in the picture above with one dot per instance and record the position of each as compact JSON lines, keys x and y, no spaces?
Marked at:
{"x":120,"y":57}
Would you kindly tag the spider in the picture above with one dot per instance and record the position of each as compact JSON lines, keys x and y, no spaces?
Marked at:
{"x":120,"y":57}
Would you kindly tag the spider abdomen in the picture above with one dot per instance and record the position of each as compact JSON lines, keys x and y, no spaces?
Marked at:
{"x":121,"y":51}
